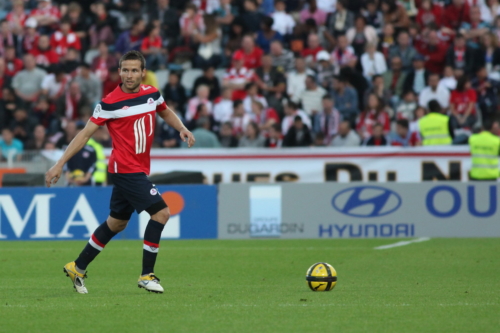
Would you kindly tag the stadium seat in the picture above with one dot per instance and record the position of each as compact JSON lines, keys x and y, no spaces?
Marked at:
{"x":188,"y":78}
{"x":162,"y":77}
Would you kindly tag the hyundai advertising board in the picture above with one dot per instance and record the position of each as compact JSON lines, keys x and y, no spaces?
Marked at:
{"x":362,"y":210}
{"x":74,"y":213}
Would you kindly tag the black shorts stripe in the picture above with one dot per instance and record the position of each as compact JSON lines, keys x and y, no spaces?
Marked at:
{"x":130,"y":102}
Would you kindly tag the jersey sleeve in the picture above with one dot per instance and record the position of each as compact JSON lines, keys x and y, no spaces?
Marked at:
{"x":96,"y":116}
{"x":160,"y":104}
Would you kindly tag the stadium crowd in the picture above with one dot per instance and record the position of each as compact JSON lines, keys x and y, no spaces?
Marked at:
{"x":253,"y":73}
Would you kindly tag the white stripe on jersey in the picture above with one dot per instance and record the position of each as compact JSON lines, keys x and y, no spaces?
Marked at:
{"x":143,"y":135}
{"x":130,"y":111}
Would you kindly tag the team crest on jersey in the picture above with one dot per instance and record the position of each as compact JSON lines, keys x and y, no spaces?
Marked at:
{"x":97,"y":110}
{"x":153,"y":191}
{"x":151,"y":101}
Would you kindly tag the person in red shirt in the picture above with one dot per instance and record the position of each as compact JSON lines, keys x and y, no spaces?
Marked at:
{"x":103,"y":62}
{"x":250,"y":53}
{"x":238,"y":77}
{"x":12,"y":64}
{"x":64,"y":39}
{"x":152,"y":48}
{"x":130,"y":115}
{"x":45,"y":14}
{"x":44,"y":55}
{"x":429,"y":13}
{"x":463,"y":104}
{"x":456,"y":13}
{"x":312,"y":49}
{"x":374,"y":113}
{"x":434,"y":51}
{"x":17,"y":16}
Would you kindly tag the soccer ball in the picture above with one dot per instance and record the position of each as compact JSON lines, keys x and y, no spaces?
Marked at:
{"x":321,"y":277}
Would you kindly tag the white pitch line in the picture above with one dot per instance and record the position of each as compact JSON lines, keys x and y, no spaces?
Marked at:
{"x":403,"y":243}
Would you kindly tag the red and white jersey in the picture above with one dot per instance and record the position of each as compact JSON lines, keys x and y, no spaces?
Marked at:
{"x":131,"y":122}
{"x":61,"y":43}
{"x":50,"y":11}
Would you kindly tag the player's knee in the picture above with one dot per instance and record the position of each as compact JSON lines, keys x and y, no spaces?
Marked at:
{"x":161,"y":216}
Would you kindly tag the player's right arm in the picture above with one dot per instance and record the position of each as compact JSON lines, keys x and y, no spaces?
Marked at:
{"x":80,"y":140}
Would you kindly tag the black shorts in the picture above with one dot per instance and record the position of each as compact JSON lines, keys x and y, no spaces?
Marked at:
{"x":134,"y":191}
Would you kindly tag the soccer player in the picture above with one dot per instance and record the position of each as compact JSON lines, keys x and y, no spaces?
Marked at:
{"x":129,"y":111}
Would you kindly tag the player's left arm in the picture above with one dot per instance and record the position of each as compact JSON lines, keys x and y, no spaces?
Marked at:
{"x":172,"y":120}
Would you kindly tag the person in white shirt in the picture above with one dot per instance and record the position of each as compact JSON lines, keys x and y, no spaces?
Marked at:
{"x":223,"y":110}
{"x":346,"y":136}
{"x":201,"y":97}
{"x":253,"y":95}
{"x":448,"y":81}
{"x":296,"y":81}
{"x":292,"y":110}
{"x":434,"y":91}
{"x":373,"y":62}
{"x":328,"y":6}
{"x":311,"y":97}
{"x":54,"y":85}
{"x":283,"y":22}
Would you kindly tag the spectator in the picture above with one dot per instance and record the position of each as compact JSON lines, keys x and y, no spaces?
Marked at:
{"x":283,"y":23}
{"x":240,"y":119}
{"x":394,"y":78}
{"x":270,"y":80}
{"x":209,"y":50}
{"x":312,"y":49}
{"x":8,"y":104}
{"x":339,"y":22}
{"x":378,"y":89}
{"x":448,"y":81}
{"x":54,"y":85}
{"x":275,"y":138}
{"x":373,"y":62}
{"x":296,"y":81}
{"x":403,"y":137}
{"x":152,"y":48}
{"x":249,"y":53}
{"x":169,"y":137}
{"x":64,"y":39}
{"x":174,"y":91}
{"x":377,"y":138}
{"x":292,"y":110}
{"x":373,"y":16}
{"x":10,"y":147}
{"x":12,"y":64}
{"x":44,"y":112}
{"x":28,"y":82}
{"x":168,"y":18}
{"x":30,"y":36}
{"x":204,"y":137}
{"x":80,"y":167}
{"x":202,"y":94}
{"x":252,"y":137}
{"x":325,"y":70}
{"x":463,"y":105}
{"x":131,"y":39}
{"x":346,"y":136}
{"x":103,"y":62}
{"x":395,"y":14}
{"x":71,"y":104}
{"x":407,"y":106}
{"x":429,"y":13}
{"x":403,"y":50}
{"x":360,"y":35}
{"x":281,"y":58}
{"x":80,"y":22}
{"x":251,"y":17}
{"x":238,"y":77}
{"x":17,"y":17}
{"x":71,"y":61}
{"x":45,"y":14}
{"x":252,"y":94}
{"x":43,"y":52}
{"x":435,"y":52}
{"x":22,"y":126}
{"x":374,"y":113}
{"x":112,"y":81}
{"x":264,"y":117}
{"x":37,"y":142}
{"x":461,"y":56}
{"x":343,"y":55}
{"x":489,"y":54}
{"x":7,"y":38}
{"x":236,"y":34}
{"x":417,"y":77}
{"x":387,"y":40}
{"x":346,"y":99}
{"x":103,"y":28}
{"x":434,"y":91}
{"x":223,"y":109}
{"x":90,"y":84}
{"x":313,"y":12}
{"x":475,"y":28}
{"x":226,"y":136}
{"x":298,"y":135}
{"x":208,"y":6}
{"x":311,"y":97}
{"x":487,"y":91}
{"x":191,"y":24}
{"x":327,"y":122}
{"x":267,"y":35}
{"x":208,"y":79}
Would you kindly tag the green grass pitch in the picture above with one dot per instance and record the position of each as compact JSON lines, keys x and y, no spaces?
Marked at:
{"x":442,"y":285}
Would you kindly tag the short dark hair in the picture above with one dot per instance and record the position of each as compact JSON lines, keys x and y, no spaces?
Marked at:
{"x":434,"y":106}
{"x":404,"y":123}
{"x":133,"y":55}
{"x":237,"y":103}
{"x":326,"y":96}
{"x":488,"y":124}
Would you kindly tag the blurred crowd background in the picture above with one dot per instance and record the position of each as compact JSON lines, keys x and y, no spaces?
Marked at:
{"x":253,"y":73}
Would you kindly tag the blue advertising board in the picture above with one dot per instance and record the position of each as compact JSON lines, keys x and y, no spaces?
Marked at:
{"x":37,"y":213}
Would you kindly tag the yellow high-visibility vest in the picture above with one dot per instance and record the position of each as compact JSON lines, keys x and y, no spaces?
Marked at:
{"x":434,"y":130}
{"x":101,"y":171}
{"x":484,"y":148}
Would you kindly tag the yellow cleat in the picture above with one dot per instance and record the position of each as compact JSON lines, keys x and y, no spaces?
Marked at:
{"x":151,"y":283}
{"x":76,"y":278}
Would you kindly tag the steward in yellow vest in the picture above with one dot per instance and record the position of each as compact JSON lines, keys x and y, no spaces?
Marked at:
{"x":435,"y":127}
{"x":484,"y":150}
{"x":101,"y":171}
